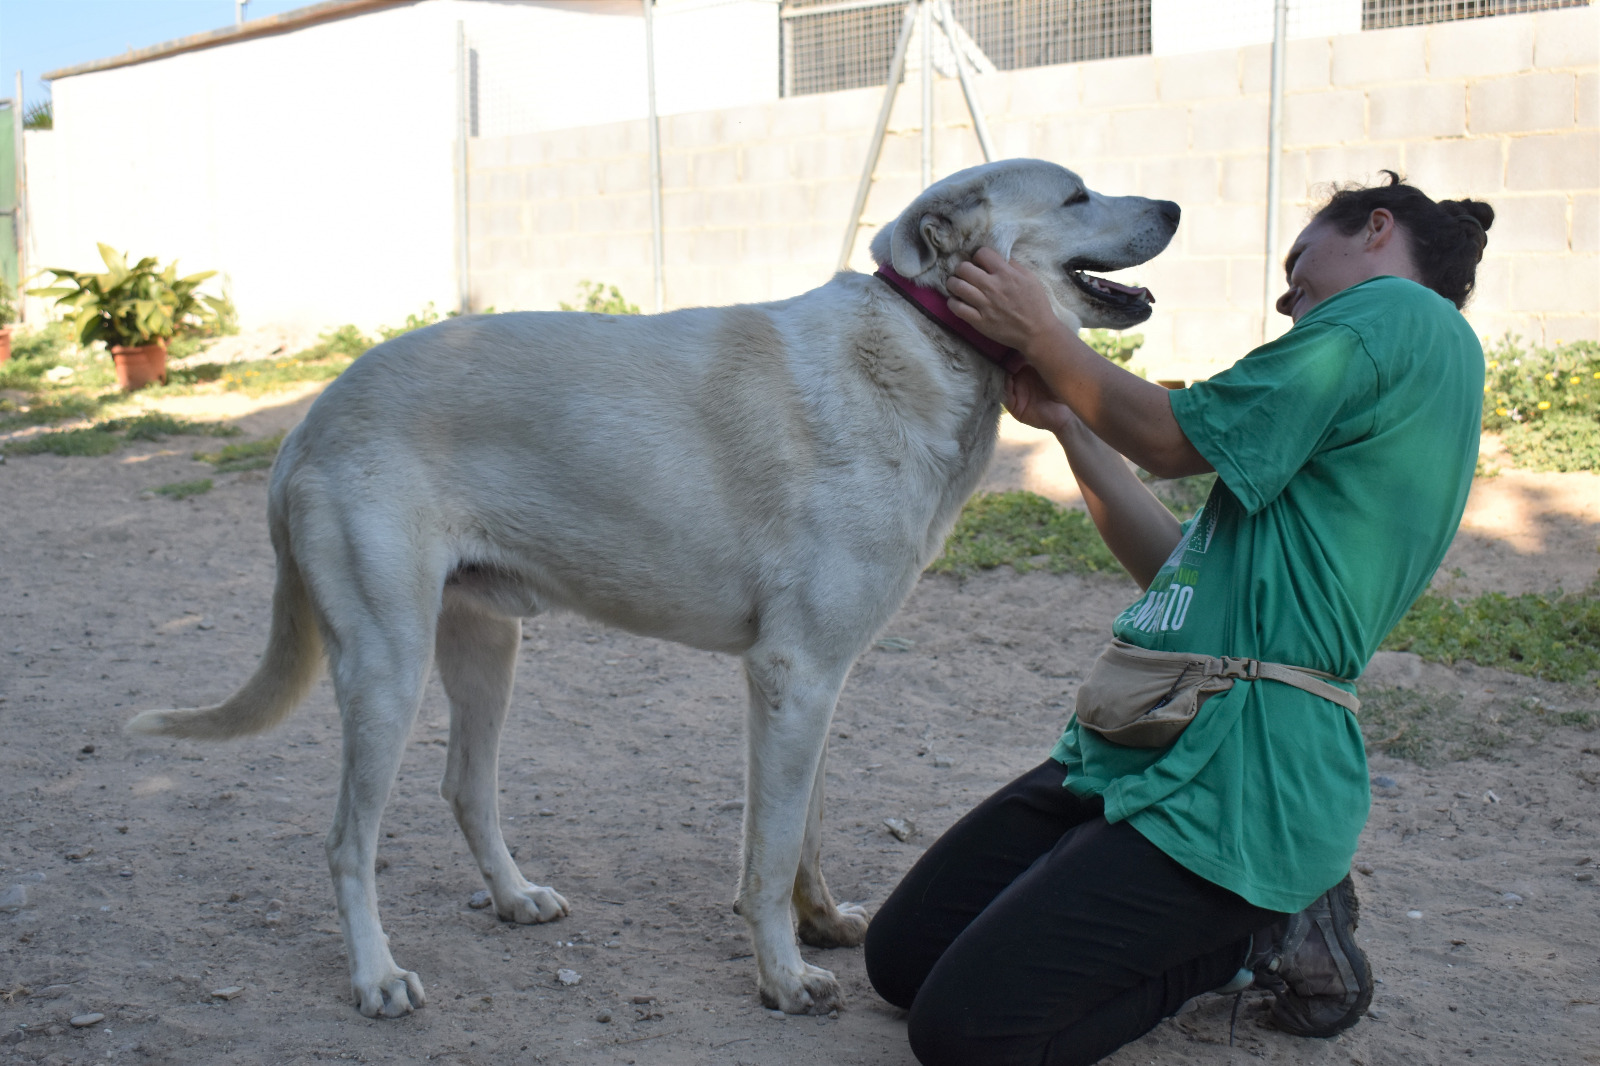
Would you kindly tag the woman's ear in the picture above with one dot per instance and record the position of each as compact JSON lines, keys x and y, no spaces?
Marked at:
{"x":1380,"y":229}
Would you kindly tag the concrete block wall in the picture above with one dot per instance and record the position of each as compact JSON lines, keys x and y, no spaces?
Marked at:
{"x":756,"y":198}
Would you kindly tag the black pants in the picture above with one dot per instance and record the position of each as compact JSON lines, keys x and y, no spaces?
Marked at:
{"x":1034,"y":931}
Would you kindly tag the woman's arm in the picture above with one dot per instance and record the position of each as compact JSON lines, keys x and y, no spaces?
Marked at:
{"x":1006,"y":302}
{"x":1140,"y":532}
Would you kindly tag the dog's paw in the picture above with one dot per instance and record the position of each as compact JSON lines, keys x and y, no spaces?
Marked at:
{"x":530,"y":905}
{"x":391,"y":995}
{"x":846,"y":927}
{"x":812,"y":990}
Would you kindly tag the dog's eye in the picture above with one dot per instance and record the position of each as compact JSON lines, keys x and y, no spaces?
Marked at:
{"x":1079,"y":197}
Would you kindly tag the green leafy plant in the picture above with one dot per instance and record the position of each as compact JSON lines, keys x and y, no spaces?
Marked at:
{"x":346,"y":340}
{"x":201,"y":318}
{"x":601,"y":299}
{"x":1117,"y":347}
{"x":1028,"y":532}
{"x":132,"y":305}
{"x":8,"y":306}
{"x":1545,"y":403}
{"x":39,"y":115}
{"x":427,"y":318}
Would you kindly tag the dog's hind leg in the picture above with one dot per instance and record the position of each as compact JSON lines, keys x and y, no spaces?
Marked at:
{"x":378,"y":601}
{"x":792,"y":694}
{"x":378,"y":698}
{"x":823,"y":923}
{"x":477,"y":656}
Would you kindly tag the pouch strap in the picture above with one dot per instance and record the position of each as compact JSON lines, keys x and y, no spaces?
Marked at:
{"x":1300,"y":677}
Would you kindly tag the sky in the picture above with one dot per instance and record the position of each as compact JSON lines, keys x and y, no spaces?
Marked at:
{"x":42,"y":35}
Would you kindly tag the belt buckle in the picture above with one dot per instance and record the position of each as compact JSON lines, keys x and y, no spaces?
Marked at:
{"x":1240,"y":669}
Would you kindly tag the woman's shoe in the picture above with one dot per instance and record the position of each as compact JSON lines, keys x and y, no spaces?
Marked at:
{"x":1319,"y":977}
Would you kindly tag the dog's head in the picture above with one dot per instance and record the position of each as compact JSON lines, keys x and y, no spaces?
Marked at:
{"x":1042,"y":215}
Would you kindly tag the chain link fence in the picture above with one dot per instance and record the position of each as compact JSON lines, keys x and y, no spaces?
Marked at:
{"x":830,"y":45}
{"x":1383,"y":14}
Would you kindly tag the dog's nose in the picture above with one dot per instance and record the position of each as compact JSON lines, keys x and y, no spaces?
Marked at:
{"x":1170,"y":212}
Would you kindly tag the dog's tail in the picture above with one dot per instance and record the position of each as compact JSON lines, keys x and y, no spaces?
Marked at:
{"x":288,"y":668}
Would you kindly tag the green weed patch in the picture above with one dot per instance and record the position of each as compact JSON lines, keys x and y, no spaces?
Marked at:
{"x":103,"y":438}
{"x":43,"y":345}
{"x":1026,"y":531}
{"x":45,"y":412}
{"x":1429,"y":728}
{"x":1553,"y":637}
{"x":1182,"y":496}
{"x":599,"y":299}
{"x":182,"y":490}
{"x":250,"y":455}
{"x":70,"y":442}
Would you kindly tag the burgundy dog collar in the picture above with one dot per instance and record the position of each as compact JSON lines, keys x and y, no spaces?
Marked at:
{"x":937,"y":308}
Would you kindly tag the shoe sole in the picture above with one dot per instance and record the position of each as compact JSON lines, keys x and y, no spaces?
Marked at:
{"x":1341,"y":899}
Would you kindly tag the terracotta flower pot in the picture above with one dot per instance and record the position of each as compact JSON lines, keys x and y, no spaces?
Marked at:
{"x":140,"y":365}
{"x":5,"y":343}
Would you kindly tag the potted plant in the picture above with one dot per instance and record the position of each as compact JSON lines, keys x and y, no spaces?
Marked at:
{"x":8,"y":315}
{"x":134,"y":310}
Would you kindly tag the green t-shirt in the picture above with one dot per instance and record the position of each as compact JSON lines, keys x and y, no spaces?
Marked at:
{"x":1344,"y":451}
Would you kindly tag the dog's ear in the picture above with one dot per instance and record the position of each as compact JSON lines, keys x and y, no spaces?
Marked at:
{"x":918,"y":240}
{"x":935,"y":227}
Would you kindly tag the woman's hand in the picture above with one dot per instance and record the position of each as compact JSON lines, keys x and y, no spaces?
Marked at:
{"x":1031,"y":402}
{"x":1003,"y":300}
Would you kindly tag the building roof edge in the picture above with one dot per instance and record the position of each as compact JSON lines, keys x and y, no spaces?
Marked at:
{"x":262,"y":27}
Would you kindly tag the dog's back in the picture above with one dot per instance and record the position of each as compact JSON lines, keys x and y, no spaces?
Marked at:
{"x":663,"y":473}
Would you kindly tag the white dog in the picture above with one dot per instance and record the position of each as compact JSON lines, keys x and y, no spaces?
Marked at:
{"x":765,"y":480}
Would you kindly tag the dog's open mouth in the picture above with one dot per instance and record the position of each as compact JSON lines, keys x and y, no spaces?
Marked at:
{"x":1111,"y":292}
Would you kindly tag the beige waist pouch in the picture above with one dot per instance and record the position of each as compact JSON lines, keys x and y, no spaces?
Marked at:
{"x":1143,"y":699}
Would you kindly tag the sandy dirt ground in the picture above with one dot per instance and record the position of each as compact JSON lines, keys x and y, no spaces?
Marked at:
{"x":139,"y":878}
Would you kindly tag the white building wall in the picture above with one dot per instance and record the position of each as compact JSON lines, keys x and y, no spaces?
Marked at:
{"x":313,"y":168}
{"x":558,"y":64}
{"x":1505,"y":109}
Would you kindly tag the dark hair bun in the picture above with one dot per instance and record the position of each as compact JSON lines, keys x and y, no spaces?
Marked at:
{"x":1476,"y":210}
{"x":1475,"y":216}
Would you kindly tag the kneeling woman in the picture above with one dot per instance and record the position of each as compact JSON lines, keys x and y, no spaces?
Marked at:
{"x":1090,"y":898}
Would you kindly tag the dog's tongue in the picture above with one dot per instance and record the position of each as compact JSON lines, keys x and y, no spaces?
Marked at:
{"x":1141,"y":292}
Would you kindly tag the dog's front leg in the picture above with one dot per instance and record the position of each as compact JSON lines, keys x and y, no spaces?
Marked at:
{"x":791,"y":704}
{"x":823,"y":923}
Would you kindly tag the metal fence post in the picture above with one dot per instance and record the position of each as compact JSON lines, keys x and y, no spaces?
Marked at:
{"x":925,"y":27}
{"x":897,"y":69}
{"x":653,"y":128}
{"x":979,"y":126}
{"x":19,"y":215}
{"x":463,"y":266}
{"x":1280,"y":28}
